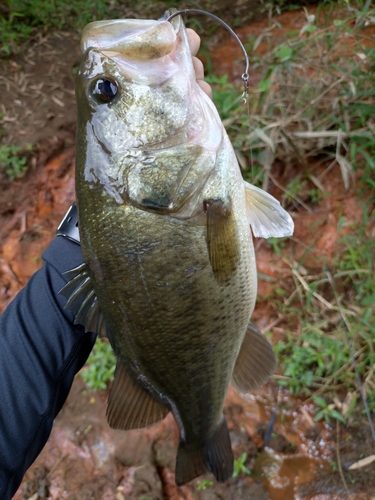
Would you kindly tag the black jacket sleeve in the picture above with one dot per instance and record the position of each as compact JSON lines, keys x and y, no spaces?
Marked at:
{"x":40,"y":352}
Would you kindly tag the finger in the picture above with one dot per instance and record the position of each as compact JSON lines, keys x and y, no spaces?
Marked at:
{"x":198,"y":68}
{"x":194,"y":41}
{"x":205,"y":87}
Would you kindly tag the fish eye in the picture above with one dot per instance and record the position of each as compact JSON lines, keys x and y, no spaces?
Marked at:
{"x":104,"y":89}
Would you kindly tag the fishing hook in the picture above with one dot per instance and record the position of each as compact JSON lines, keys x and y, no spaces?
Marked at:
{"x":244,"y":76}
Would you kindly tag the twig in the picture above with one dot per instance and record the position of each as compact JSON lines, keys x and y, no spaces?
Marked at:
{"x":339,"y":464}
{"x":271,"y":424}
{"x":56,"y":464}
{"x":313,"y":384}
{"x":294,"y":147}
{"x":270,"y":156}
{"x":308,"y":289}
{"x":352,"y":271}
{"x":298,"y":200}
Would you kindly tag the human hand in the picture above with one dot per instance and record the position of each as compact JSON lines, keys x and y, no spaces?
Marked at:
{"x":194,"y":42}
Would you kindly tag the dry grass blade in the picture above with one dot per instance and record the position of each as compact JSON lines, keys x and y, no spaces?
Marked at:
{"x":308,"y":289}
{"x":346,"y":169}
{"x":362,"y":463}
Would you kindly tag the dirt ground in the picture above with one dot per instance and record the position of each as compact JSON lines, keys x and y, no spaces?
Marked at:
{"x":84,"y":459}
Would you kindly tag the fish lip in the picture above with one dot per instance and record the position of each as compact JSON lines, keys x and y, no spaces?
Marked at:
{"x":137,"y":39}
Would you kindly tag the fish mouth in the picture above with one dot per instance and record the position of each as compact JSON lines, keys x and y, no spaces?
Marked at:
{"x":138,"y":40}
{"x":142,"y":50}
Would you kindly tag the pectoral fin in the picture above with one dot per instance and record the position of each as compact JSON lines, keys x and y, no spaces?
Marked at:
{"x":256,"y":361}
{"x":81,"y":299}
{"x":129,"y":405}
{"x":265,"y":214}
{"x":222,"y":239}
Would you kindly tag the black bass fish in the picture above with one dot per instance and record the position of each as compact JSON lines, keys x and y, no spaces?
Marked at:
{"x":164,"y":220}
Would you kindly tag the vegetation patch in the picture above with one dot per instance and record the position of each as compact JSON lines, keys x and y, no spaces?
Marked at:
{"x":100,"y":366}
{"x":13,"y":162}
{"x":313,"y":106}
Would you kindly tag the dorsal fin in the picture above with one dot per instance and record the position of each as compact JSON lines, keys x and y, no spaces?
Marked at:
{"x":265,"y":214}
{"x":222,"y":241}
{"x":81,"y":299}
{"x":256,"y":361}
{"x":130,"y":406}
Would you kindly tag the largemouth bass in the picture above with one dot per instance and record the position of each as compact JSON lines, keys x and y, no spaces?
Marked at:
{"x":164,"y":220}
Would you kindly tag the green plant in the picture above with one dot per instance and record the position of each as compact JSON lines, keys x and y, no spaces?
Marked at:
{"x":310,"y":358}
{"x":293,"y":189}
{"x":203,"y":485}
{"x":326,"y":411}
{"x":239,"y":466}
{"x":277,"y":244}
{"x":100,"y":366}
{"x":14,"y":164}
{"x":333,"y":465}
{"x":314,"y":105}
{"x":232,"y":109}
{"x":225,"y":95}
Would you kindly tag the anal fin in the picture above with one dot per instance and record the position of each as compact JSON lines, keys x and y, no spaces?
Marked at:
{"x":222,"y":241}
{"x":81,"y":299}
{"x":256,"y":361}
{"x":130,"y":406}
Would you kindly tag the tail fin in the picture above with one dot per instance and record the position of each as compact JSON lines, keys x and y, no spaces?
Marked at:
{"x":214,"y":456}
{"x":218,"y":453}
{"x":190,"y":463}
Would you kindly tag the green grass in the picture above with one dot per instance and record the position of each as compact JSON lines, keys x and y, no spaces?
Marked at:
{"x":204,"y":485}
{"x":239,"y":466}
{"x":23,"y":18}
{"x":100,"y":366}
{"x":311,"y":357}
{"x":326,"y":412}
